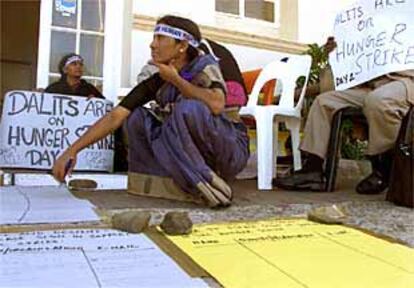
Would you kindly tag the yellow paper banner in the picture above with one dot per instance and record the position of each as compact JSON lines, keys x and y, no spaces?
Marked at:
{"x":297,"y":253}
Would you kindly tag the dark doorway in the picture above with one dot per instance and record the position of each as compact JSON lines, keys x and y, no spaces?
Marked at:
{"x":19,"y":44}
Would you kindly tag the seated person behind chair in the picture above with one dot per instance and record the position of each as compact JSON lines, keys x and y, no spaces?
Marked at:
{"x":384,"y":102}
{"x":186,"y":137}
{"x":70,"y":82}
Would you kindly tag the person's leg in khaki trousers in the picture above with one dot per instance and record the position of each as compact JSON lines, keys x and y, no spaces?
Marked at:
{"x":316,"y":138}
{"x":384,"y":108}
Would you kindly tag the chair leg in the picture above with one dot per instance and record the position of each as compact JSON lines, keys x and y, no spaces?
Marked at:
{"x":294,"y":127}
{"x":275,"y":148}
{"x":332,"y":156}
{"x":264,"y":134}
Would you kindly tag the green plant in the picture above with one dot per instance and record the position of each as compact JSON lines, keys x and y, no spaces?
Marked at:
{"x":351,"y":148}
{"x":319,"y":62}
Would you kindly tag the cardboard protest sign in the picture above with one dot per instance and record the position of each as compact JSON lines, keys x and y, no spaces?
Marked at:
{"x":37,"y":127}
{"x":374,"y":37}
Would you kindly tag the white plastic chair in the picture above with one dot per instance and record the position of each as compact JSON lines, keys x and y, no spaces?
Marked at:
{"x":268,"y":117}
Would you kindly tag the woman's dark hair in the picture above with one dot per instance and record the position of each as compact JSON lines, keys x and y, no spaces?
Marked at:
{"x":186,"y":25}
{"x":62,"y":63}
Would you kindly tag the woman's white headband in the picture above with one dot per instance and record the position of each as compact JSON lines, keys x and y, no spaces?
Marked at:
{"x":176,"y":33}
{"x":72,"y":59}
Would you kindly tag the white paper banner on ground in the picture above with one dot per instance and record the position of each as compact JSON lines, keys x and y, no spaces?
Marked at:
{"x":87,"y":258}
{"x":374,"y":37}
{"x":37,"y":127}
{"x":43,"y":204}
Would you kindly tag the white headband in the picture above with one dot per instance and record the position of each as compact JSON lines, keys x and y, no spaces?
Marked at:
{"x":176,"y":33}
{"x":72,"y":59}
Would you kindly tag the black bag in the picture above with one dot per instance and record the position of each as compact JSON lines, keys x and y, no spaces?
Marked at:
{"x":401,"y":190}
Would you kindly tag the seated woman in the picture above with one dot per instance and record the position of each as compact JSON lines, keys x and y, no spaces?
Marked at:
{"x":70,"y":82}
{"x":186,"y":136}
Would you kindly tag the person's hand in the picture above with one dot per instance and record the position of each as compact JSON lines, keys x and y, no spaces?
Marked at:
{"x":63,"y":165}
{"x":330,"y":44}
{"x":168,"y":72}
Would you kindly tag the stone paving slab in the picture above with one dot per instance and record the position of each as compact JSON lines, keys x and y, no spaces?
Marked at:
{"x":371,"y":212}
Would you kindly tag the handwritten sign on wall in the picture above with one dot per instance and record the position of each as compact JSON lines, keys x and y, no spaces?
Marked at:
{"x":374,"y":37}
{"x":37,"y":127}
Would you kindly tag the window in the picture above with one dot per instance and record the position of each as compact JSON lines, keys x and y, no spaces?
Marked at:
{"x":78,"y":26}
{"x":228,"y":6}
{"x":95,"y":29}
{"x":257,"y":9}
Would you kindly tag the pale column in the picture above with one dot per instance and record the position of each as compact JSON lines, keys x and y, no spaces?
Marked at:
{"x":117,"y":57}
{"x":289,"y":20}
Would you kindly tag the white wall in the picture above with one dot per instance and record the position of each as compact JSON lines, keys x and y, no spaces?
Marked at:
{"x":201,"y":11}
{"x":248,"y":58}
{"x":315,"y":23}
{"x":316,"y":19}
